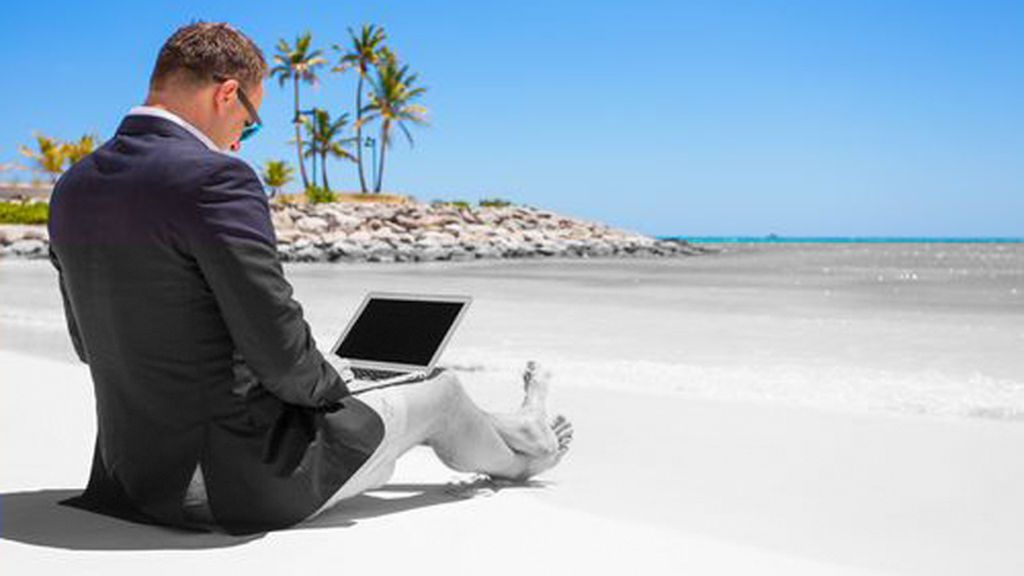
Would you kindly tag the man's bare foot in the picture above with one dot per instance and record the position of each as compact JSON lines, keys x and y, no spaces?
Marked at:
{"x":542,"y":463}
{"x":529,"y":431}
{"x":535,"y":387}
{"x":563,"y":431}
{"x":534,"y":465}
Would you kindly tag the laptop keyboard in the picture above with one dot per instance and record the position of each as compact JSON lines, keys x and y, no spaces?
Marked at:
{"x":374,"y":373}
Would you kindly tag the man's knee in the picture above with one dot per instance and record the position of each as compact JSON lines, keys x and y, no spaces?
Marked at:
{"x":439,"y":386}
{"x":435,"y":403}
{"x":448,"y":386}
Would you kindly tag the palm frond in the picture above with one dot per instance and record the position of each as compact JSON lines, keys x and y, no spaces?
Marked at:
{"x":302,"y":42}
{"x":338,"y":151}
{"x":405,"y":131}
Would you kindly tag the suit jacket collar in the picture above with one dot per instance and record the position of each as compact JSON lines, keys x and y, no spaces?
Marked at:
{"x":133,"y":124}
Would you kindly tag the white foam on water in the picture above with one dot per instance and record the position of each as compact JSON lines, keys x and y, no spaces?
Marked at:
{"x":913,"y":329}
{"x":833,"y":388}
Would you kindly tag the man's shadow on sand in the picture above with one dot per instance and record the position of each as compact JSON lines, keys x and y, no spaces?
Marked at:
{"x":36,"y":518}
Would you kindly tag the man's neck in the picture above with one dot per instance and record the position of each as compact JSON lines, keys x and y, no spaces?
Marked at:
{"x":186,"y":115}
{"x":178,"y":110}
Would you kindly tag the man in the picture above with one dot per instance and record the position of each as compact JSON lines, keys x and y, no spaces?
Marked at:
{"x":213,"y":404}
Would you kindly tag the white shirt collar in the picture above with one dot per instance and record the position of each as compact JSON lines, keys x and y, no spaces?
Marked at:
{"x":168,"y":115}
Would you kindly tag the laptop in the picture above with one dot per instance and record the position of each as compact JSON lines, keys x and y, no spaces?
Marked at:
{"x":396,"y":337}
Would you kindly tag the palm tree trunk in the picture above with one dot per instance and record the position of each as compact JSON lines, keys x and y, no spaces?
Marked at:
{"x":313,"y":156}
{"x":323,"y":168}
{"x":359,"y":132}
{"x":384,"y":128}
{"x":298,"y":137}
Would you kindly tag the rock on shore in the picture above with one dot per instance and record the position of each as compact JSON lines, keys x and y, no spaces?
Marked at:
{"x":413,"y":232}
{"x":24,"y":240}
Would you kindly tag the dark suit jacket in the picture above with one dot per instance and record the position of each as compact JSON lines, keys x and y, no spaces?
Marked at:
{"x":175,"y":297}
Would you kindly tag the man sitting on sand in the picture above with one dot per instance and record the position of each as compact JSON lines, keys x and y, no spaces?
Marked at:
{"x":213,"y":404}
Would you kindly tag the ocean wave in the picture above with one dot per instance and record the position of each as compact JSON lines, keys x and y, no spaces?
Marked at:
{"x":834,"y":388}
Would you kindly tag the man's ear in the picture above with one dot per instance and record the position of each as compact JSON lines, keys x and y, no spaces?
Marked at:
{"x":224,"y":93}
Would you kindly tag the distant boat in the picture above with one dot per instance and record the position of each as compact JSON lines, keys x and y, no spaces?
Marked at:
{"x":771,"y":237}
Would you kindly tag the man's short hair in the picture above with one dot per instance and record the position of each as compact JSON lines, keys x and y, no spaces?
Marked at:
{"x":200,"y":51}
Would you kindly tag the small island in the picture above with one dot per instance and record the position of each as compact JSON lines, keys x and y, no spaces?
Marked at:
{"x":385,"y":228}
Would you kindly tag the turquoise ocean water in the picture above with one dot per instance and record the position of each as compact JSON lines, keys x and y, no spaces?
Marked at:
{"x":843,"y":239}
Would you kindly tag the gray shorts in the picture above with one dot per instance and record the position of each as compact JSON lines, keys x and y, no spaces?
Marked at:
{"x":389,"y":404}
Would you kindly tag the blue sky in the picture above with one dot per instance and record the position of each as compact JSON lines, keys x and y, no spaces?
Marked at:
{"x":696,"y":118}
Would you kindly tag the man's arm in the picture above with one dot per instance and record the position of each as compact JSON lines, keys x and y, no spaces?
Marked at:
{"x":232,"y":239}
{"x":69,"y":313}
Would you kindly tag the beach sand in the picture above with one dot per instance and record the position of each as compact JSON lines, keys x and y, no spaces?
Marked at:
{"x":841,"y":409}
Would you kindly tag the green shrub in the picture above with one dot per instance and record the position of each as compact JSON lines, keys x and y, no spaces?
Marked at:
{"x":318,"y":195}
{"x":460,"y":204}
{"x":494,"y":203}
{"x":24,"y":212}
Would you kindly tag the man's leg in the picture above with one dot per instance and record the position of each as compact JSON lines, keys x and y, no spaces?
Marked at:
{"x":514,"y":446}
{"x":438,"y":413}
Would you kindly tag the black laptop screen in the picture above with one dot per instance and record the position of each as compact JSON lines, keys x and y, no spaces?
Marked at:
{"x":400,"y":331}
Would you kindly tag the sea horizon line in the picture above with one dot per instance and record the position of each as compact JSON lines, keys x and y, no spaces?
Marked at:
{"x":772,"y":238}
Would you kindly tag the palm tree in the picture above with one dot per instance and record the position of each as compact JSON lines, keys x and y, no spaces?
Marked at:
{"x":324,"y":140}
{"x":364,"y":52}
{"x":297,"y":64}
{"x":276,"y":174}
{"x":49,"y":156}
{"x":75,"y":151}
{"x":391,"y":102}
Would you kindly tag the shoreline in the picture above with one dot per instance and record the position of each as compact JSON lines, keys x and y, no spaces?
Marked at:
{"x":897,"y":329}
{"x":845,"y":239}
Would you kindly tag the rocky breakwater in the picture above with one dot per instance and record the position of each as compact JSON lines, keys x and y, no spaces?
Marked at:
{"x":24,"y":240}
{"x":412,"y":232}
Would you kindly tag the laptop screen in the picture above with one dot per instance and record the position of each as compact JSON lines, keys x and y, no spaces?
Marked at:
{"x":399,"y":331}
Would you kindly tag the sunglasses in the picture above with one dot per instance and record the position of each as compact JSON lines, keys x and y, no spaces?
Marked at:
{"x":253,"y":125}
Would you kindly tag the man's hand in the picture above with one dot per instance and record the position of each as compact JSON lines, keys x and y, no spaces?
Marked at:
{"x":426,"y":375}
{"x":343,"y":367}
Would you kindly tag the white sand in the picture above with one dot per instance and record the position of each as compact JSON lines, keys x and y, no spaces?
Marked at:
{"x":669,"y":472}
{"x":410,"y":525}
